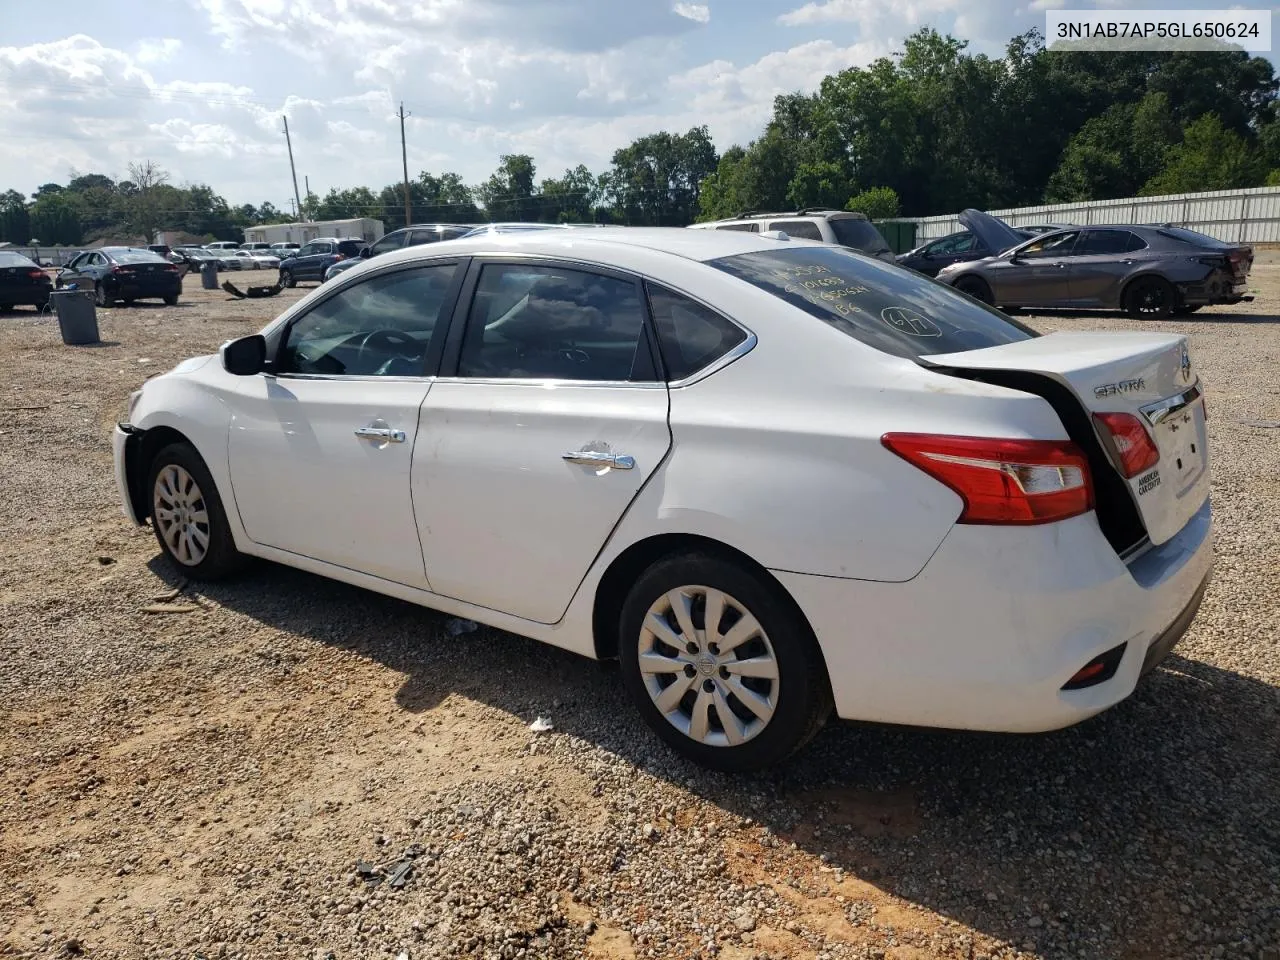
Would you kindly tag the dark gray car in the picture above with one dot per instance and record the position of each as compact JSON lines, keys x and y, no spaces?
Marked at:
{"x":1150,"y":271}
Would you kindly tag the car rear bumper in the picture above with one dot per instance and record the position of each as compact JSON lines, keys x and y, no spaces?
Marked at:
{"x":987,"y":634}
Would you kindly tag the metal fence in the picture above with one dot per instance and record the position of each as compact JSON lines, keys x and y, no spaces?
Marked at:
{"x":1237,"y":216}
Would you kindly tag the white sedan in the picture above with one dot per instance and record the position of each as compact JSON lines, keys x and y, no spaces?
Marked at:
{"x":771,"y":477}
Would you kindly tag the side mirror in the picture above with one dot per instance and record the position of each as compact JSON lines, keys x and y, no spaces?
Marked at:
{"x":246,"y":356}
{"x":365,"y":253}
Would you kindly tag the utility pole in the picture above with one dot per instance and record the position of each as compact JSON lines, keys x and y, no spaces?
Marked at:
{"x":404,"y":157}
{"x":293,"y":170}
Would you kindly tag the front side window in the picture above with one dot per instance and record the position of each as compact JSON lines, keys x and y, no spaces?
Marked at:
{"x":690,"y":336}
{"x":379,"y":327}
{"x":1053,"y":245}
{"x":550,"y":322}
{"x":897,"y":311}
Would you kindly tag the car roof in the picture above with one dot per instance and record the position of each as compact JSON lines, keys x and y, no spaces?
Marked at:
{"x":697,"y":245}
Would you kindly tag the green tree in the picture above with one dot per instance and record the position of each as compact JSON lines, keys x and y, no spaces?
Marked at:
{"x":508,"y":194}
{"x":656,"y":180}
{"x":1210,"y":157}
{"x":878,"y":203}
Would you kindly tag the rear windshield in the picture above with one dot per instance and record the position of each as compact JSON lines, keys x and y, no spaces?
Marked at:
{"x":1191,"y":236}
{"x":137,"y":256}
{"x":894,"y":310}
{"x":860,"y":234}
{"x":10,"y":259}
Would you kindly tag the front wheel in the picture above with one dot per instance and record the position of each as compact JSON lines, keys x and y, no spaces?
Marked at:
{"x":1150,"y":298}
{"x":975,"y":287}
{"x":286,"y":279}
{"x":720,"y":663}
{"x":187,"y":515}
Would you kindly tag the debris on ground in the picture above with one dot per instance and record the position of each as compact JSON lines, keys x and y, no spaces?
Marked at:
{"x":457,"y":626}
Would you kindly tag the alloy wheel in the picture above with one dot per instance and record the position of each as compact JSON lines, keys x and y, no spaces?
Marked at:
{"x":708,"y":666}
{"x":181,"y":515}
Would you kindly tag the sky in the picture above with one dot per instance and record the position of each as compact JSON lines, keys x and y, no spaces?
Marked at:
{"x":200,"y":86}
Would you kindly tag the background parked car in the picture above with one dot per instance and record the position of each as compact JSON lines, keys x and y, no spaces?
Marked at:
{"x":123,"y":273}
{"x":312,"y":260}
{"x":848,"y":229}
{"x":22,"y":282}
{"x":1149,"y":271}
{"x":411,"y":236}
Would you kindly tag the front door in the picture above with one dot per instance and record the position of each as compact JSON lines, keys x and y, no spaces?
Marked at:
{"x":1039,"y":275}
{"x":530,"y":454}
{"x":321,"y":448}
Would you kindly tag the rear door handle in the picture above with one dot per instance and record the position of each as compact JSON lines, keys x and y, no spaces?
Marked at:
{"x":385,"y":434}
{"x":599,"y":458}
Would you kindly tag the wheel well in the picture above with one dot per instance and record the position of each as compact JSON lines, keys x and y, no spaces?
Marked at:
{"x":627,"y":567}
{"x":147,"y":446}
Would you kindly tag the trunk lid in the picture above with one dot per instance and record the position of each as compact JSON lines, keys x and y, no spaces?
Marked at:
{"x":1147,"y":375}
{"x":997,"y":235}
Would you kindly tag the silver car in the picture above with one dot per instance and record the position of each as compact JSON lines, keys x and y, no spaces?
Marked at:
{"x":1149,"y":271}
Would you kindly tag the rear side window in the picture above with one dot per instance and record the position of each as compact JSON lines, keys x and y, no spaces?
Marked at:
{"x":1194,"y":237}
{"x":741,"y":227}
{"x":894,"y":310}
{"x":857,"y":233}
{"x":690,"y":337}
{"x":802,"y":229}
{"x":549,"y":322}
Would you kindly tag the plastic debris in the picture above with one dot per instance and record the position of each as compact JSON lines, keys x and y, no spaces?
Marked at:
{"x":456,"y":627}
{"x":541,"y":725}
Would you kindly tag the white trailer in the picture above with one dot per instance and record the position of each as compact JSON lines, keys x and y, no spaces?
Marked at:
{"x":361,"y":228}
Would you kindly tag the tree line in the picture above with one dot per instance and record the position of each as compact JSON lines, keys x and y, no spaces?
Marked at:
{"x":931,"y":130}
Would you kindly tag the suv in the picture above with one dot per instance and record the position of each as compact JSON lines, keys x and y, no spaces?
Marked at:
{"x":849,"y":229}
{"x":411,"y":236}
{"x":310,"y":261}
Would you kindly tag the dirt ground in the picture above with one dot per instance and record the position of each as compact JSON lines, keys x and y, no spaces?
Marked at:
{"x":205,"y":781}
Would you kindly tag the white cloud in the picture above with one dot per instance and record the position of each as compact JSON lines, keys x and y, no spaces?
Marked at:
{"x":157,"y":51}
{"x":698,"y":12}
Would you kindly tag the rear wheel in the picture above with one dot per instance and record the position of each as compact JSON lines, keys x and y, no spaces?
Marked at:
{"x":1150,"y":298}
{"x":286,"y":279}
{"x":720,"y":663}
{"x":975,"y":287}
{"x":187,"y":515}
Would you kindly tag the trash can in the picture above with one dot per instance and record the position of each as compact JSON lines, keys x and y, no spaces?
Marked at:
{"x":209,"y":276}
{"x":77,"y":316}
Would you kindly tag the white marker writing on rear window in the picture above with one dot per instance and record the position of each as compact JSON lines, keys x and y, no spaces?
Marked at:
{"x":909,"y":322}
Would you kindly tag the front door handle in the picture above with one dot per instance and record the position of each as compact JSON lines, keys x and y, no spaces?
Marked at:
{"x":599,"y":458}
{"x":384,"y":434}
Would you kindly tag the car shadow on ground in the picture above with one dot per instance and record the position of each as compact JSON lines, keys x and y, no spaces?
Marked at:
{"x":1149,"y":812}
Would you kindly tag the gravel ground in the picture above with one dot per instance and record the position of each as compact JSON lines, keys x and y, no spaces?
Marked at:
{"x":207,"y":784}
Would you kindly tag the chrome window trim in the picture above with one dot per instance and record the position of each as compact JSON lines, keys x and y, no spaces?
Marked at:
{"x":1158,"y":411}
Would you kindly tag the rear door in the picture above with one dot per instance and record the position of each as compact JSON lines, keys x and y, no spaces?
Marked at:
{"x":1102,"y":259}
{"x":549,"y":421}
{"x":1147,"y":375}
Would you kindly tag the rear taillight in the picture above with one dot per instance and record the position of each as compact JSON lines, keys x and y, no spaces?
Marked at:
{"x":1003,"y":481}
{"x":1134,"y":449}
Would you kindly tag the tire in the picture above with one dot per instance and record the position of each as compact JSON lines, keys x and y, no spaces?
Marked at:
{"x":179,"y":486}
{"x":799,"y":693}
{"x":1149,"y":298}
{"x":286,"y":279}
{"x":1186,"y":311}
{"x":171,"y":301}
{"x":100,"y":298}
{"x":975,"y":287}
